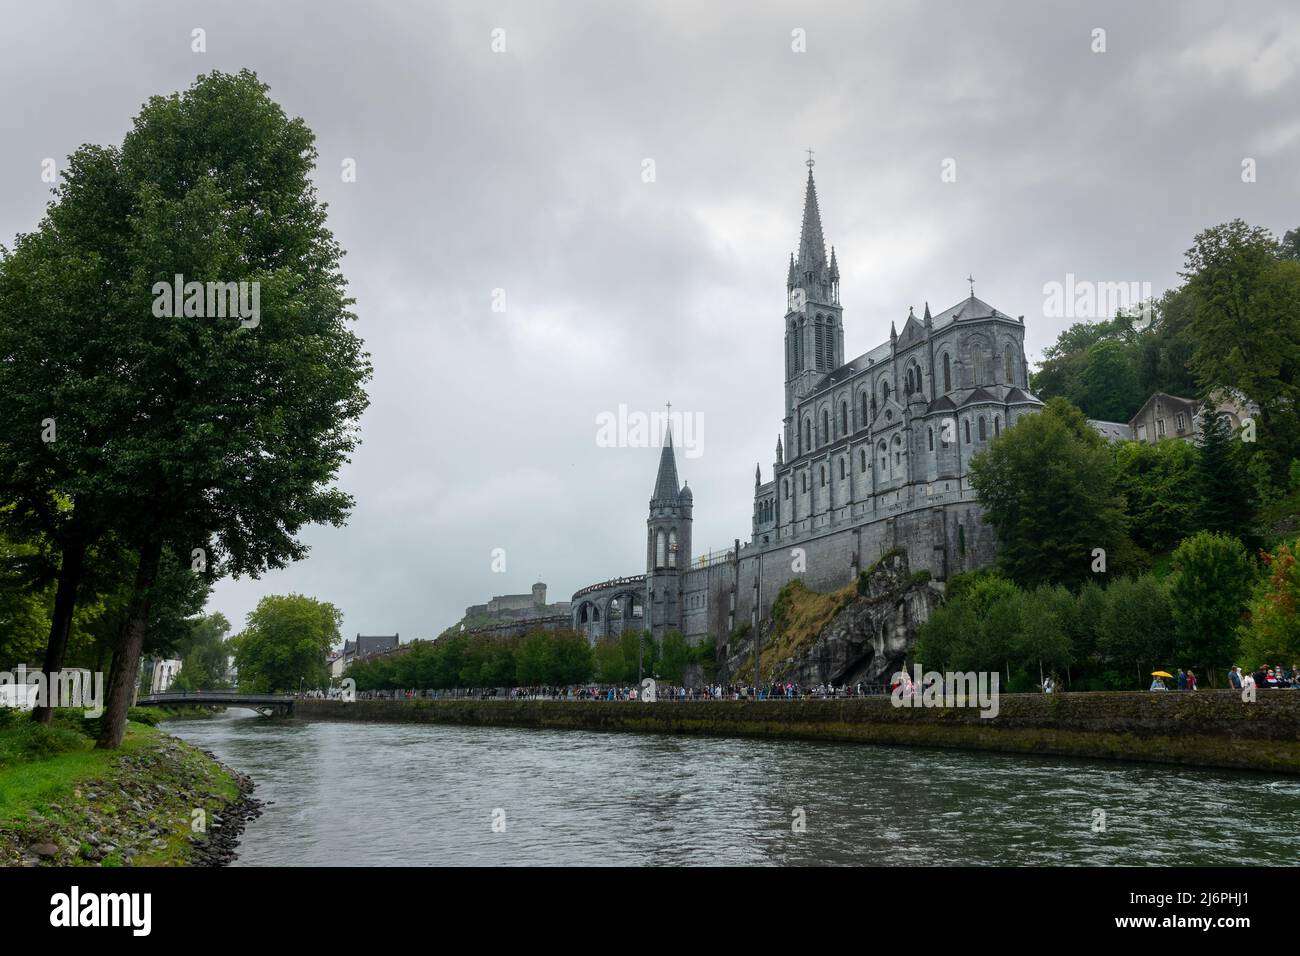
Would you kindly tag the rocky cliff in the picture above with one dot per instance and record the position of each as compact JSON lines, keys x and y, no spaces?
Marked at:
{"x":863,"y":632}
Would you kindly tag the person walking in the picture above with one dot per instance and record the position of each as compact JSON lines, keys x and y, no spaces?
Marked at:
{"x":1234,"y":677}
{"x":1182,"y":679}
{"x":1191,"y":680}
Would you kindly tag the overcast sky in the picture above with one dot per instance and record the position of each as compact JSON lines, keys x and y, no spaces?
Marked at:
{"x":522,"y":170}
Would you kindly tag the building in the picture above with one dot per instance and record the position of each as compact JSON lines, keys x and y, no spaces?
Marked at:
{"x":365,"y":645}
{"x":1168,"y":416}
{"x":162,"y":673}
{"x":873,"y":455}
{"x":514,"y":608}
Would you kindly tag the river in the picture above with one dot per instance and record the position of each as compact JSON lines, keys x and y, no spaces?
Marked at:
{"x":347,"y":794}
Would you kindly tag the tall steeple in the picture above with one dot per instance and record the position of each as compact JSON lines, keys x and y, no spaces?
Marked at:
{"x":814,"y":330}
{"x":812,"y":245}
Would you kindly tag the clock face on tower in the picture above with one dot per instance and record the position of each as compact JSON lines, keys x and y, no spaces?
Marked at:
{"x":797,"y":299}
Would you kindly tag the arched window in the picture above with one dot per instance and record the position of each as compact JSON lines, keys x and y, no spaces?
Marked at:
{"x":672,"y":548}
{"x":997,"y":426}
{"x":864,"y":461}
{"x":786,"y":486}
{"x":844,"y":418}
{"x":898,"y":450}
{"x":823,"y":471}
{"x":947,"y":373}
{"x":661,"y":550}
{"x":968,"y":431}
{"x":826,"y":426}
{"x":884,"y":392}
{"x":820,"y":344}
{"x":884,"y":460}
{"x":807,"y":433}
{"x":805,"y":482}
{"x":930,"y":434}
{"x":1009,"y":365}
{"x":841,"y":468}
{"x":984,"y":434}
{"x":866,"y":416}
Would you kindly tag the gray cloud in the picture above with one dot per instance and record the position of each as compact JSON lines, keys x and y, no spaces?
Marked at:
{"x":522,"y":171}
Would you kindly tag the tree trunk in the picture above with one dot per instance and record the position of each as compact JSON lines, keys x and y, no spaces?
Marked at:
{"x":65,"y":602}
{"x":126,"y":658}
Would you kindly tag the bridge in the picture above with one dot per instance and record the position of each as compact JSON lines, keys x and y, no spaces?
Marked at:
{"x":268,"y":705}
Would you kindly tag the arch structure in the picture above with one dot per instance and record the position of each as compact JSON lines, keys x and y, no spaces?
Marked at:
{"x":610,"y":608}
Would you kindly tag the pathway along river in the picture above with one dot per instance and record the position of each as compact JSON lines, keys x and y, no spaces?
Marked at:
{"x":401,"y":794}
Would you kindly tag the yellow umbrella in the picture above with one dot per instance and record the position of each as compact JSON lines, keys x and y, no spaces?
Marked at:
{"x":1161,"y":674}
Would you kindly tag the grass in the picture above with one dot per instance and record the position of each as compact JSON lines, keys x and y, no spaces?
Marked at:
{"x":800,"y":615}
{"x":55,"y":788}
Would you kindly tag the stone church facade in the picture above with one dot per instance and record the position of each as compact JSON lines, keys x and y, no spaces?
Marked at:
{"x":873,"y":455}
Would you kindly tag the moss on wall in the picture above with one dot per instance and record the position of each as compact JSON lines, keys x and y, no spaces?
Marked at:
{"x":1206,"y":728}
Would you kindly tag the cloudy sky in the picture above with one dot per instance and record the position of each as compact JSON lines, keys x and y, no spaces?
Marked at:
{"x":523,"y":170}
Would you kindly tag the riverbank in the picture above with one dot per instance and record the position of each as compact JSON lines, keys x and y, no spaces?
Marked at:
{"x":1203,"y":729}
{"x":156,"y":802}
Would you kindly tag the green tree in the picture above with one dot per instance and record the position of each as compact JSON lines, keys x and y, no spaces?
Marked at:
{"x":284,"y":644}
{"x":1246,"y":323}
{"x":1048,"y":487}
{"x":609,"y":661}
{"x":1137,"y":627}
{"x":533,"y":661}
{"x":1108,"y":382}
{"x":1222,"y":482}
{"x":1208,"y":590}
{"x":1162,"y":493}
{"x":676,"y":655}
{"x":249,"y":423}
{"x":572,"y":661}
{"x":1272,"y":635}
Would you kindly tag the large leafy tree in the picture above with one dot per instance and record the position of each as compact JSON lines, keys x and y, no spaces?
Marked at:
{"x":1208,"y":593}
{"x":203,"y":653}
{"x":62,"y":290}
{"x":1245,"y":319}
{"x":220,"y":435}
{"x":285,"y":643}
{"x":1048,"y":487}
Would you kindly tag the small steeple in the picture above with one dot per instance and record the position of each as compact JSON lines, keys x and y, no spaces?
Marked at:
{"x":792,"y":278}
{"x":928,"y":320}
{"x":835,"y":269}
{"x":893,"y":333}
{"x":758,"y":475}
{"x":666,"y":486}
{"x":780,"y":451}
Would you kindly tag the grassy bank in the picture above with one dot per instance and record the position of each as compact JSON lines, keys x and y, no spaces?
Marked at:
{"x":62,"y":802}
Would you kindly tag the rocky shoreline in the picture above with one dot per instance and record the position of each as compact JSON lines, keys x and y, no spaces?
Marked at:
{"x":163,"y":804}
{"x":221,"y":846}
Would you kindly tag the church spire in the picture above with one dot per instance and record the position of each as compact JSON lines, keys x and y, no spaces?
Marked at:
{"x":666,"y":486}
{"x":812,"y":245}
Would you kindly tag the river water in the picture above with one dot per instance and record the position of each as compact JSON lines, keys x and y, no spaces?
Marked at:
{"x":419,"y":794}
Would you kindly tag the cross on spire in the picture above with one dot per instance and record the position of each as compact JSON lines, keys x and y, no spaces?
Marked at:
{"x":971,"y":280}
{"x":809,"y":162}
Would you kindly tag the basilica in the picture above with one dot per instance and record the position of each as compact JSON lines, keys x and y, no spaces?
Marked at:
{"x":873,"y":455}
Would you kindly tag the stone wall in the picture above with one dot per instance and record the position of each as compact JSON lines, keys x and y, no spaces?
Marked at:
{"x":1205,"y":728}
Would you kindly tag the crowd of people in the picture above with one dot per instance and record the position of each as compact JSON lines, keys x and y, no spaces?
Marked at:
{"x":1272,"y":678}
{"x":781,"y":690}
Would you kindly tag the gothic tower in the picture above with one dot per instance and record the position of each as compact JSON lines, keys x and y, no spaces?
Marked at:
{"x":814,"y":327}
{"x":668,"y":543}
